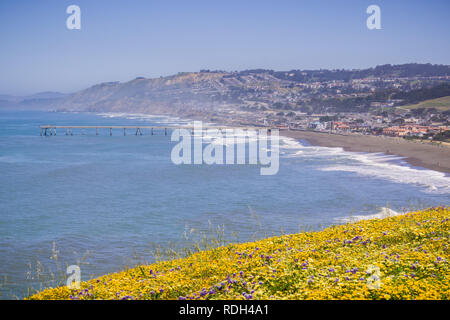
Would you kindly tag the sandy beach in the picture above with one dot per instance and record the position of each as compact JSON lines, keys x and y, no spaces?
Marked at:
{"x":430,"y":156}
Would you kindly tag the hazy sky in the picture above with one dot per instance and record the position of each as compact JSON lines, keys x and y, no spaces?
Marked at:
{"x":120,"y":40}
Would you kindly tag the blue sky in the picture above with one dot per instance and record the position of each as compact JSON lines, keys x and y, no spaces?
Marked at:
{"x":120,"y":40}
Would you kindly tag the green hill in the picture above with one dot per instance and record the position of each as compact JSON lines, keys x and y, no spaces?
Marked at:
{"x":442,"y":104}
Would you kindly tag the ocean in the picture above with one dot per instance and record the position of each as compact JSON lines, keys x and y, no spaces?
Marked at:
{"x":108,"y":201}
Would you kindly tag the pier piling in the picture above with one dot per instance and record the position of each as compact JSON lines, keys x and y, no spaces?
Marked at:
{"x":45,"y":130}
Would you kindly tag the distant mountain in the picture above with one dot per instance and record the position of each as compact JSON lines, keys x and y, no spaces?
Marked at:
{"x":7,"y":97}
{"x":45,"y":95}
{"x":37,"y":101}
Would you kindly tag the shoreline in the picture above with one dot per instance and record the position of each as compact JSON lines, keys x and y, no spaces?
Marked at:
{"x":417,"y":154}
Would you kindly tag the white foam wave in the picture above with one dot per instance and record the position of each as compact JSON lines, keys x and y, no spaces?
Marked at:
{"x":160,"y":119}
{"x":383,"y":213}
{"x":381,"y":166}
{"x":290,"y":143}
{"x":376,"y":165}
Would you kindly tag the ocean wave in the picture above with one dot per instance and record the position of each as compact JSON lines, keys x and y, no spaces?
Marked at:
{"x":382,"y":213}
{"x":375,"y":165}
{"x":382,"y":167}
{"x":159,"y":119}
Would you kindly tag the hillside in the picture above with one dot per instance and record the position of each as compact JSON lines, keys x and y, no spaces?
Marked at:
{"x":210,"y":92}
{"x":200,"y":91}
{"x":442,"y":104}
{"x":408,"y":253}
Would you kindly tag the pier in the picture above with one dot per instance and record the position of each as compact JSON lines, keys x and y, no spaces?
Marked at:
{"x":51,"y":130}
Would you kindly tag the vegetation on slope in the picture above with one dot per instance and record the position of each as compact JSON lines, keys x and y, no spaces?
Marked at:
{"x":442,"y":104}
{"x":408,"y":253}
{"x":423,"y":94}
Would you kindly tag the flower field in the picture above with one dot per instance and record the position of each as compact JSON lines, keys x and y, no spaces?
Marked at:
{"x":401,"y":257}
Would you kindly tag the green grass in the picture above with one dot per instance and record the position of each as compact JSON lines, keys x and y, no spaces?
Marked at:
{"x":442,"y":104}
